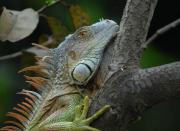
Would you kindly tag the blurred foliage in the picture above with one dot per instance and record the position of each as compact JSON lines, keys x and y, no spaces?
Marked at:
{"x":79,"y":17}
{"x":4,"y":92}
{"x":153,"y":56}
{"x":10,"y":82}
{"x":58,"y":32}
{"x":27,"y":59}
{"x":63,"y":18}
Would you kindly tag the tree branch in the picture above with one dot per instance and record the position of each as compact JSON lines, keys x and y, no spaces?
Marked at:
{"x":157,"y":84}
{"x":161,"y":31}
{"x":126,"y":51}
{"x":10,"y":56}
{"x":123,"y":85}
{"x":33,"y":49}
{"x":119,"y":65}
{"x":131,"y":93}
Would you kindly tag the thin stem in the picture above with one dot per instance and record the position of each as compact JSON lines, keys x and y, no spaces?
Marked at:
{"x":10,"y":56}
{"x":55,"y":3}
{"x":19,"y":53}
{"x":161,"y":31}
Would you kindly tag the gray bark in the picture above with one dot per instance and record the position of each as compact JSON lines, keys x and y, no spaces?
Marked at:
{"x":129,"y":89}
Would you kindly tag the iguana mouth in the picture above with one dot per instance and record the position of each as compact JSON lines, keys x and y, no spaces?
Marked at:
{"x":106,"y":25}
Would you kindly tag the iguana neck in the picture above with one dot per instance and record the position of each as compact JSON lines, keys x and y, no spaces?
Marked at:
{"x":56,"y":89}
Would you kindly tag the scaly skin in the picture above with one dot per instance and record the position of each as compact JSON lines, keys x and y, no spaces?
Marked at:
{"x":61,"y":106}
{"x":79,"y":122}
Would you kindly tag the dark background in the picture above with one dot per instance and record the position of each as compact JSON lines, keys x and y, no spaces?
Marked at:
{"x":165,"y":49}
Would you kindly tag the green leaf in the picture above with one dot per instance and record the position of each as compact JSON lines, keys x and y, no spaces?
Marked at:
{"x":49,"y":2}
{"x":58,"y":29}
{"x":79,"y":16}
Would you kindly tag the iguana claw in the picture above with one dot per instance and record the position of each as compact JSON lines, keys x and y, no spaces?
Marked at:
{"x":81,"y":114}
{"x":80,"y":122}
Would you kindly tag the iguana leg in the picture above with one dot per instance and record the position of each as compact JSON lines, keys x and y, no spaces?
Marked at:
{"x":80,"y":122}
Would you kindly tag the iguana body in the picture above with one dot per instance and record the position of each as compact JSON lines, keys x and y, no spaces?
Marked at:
{"x":61,"y":105}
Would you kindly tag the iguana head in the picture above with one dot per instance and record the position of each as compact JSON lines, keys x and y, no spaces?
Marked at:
{"x":77,"y":58}
{"x":85,"y":47}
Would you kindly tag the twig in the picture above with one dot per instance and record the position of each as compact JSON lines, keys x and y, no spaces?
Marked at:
{"x":48,"y":6}
{"x":161,"y":31}
{"x":19,"y":53}
{"x":10,"y":56}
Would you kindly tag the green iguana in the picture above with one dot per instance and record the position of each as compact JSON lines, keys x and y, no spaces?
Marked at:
{"x":61,"y":105}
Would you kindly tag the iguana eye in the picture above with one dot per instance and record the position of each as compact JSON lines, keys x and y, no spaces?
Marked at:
{"x":82,"y":34}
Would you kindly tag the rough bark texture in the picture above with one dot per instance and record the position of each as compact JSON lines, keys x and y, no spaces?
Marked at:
{"x":123,"y":85}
